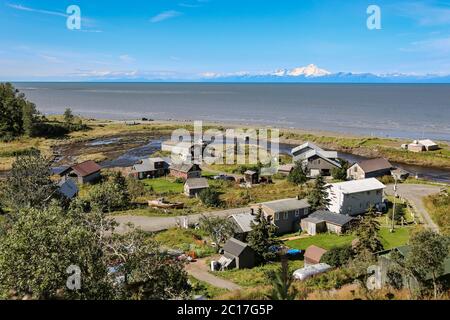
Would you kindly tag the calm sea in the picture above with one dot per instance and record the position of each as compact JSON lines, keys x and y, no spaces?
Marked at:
{"x":389,"y":110}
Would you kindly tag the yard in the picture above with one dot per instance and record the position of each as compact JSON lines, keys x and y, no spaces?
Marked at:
{"x":163,"y":185}
{"x":186,"y":240}
{"x":255,"y":276}
{"x":324,"y":240}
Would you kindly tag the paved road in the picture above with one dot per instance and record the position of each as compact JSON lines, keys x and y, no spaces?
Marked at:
{"x":199,"y":270}
{"x":154,"y":224}
{"x":414,"y":194}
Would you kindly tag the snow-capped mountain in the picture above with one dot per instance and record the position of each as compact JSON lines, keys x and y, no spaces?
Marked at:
{"x":313,"y":73}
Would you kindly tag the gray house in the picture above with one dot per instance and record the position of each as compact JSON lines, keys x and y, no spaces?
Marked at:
{"x":326,"y":221}
{"x":315,"y":160}
{"x":150,"y":168}
{"x":285,"y":213}
{"x":194,"y":186}
{"x":371,"y":168}
{"x":237,"y":254}
{"x":242,"y":224}
{"x":85,"y":172}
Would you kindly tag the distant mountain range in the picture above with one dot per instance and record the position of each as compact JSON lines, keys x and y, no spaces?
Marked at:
{"x":314,"y":74}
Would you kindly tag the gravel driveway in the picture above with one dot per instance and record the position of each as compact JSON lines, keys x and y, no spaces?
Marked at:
{"x":414,"y":194}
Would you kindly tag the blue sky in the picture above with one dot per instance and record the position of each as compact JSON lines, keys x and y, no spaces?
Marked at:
{"x":183,"y":39}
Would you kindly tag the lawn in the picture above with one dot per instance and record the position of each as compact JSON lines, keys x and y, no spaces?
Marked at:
{"x":398,"y":238}
{"x":325,"y":240}
{"x":164,"y":185}
{"x":186,"y":240}
{"x":255,"y":276}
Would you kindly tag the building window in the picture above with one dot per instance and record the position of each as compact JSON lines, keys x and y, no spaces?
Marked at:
{"x":378,"y":192}
{"x":368,"y":193}
{"x":297,"y":213}
{"x":286,"y":214}
{"x":277,"y":216}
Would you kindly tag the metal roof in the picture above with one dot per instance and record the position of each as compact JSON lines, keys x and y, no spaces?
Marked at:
{"x":182,"y":167}
{"x":356,"y":186}
{"x":286,"y":204}
{"x":84,"y":169}
{"x":234,"y":247}
{"x":197,"y":183}
{"x":68,"y":188}
{"x":372,"y":165}
{"x":243,"y":221}
{"x":330,"y":217}
{"x":314,"y":253}
{"x":148,"y":164}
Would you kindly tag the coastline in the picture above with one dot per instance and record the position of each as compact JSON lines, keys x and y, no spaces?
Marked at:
{"x":135,"y":133}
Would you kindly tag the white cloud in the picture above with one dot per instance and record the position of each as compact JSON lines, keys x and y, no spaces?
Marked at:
{"x":437,"y":45}
{"x":51,"y":59}
{"x":126,"y":58}
{"x":29,"y":9}
{"x":165,"y":15}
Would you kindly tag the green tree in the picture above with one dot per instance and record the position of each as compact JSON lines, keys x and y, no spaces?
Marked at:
{"x":338,"y":256}
{"x":110,"y":195}
{"x":30,"y":119}
{"x":262,"y":237}
{"x":297,"y":175}
{"x":28,"y":184}
{"x":367,"y":233}
{"x":281,"y":281}
{"x":11,"y":110}
{"x":340,"y":173}
{"x":426,"y":258}
{"x":210,"y":197}
{"x":318,"y":196}
{"x":38,"y":248}
{"x":68,"y":116}
{"x":148,"y":272}
{"x":219,"y":229}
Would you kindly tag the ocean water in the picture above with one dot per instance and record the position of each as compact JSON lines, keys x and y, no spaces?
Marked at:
{"x":387,"y":110}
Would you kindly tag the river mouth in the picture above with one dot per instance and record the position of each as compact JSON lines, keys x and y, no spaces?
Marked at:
{"x":126,"y":150}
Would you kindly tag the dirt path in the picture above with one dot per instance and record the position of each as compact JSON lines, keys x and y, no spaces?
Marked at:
{"x":199,"y":270}
{"x":154,"y":224}
{"x":414,"y":194}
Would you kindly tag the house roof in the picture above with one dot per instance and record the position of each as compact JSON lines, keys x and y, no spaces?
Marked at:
{"x":68,"y":188}
{"x":286,"y":204}
{"x":182,"y":167}
{"x":286,"y":167}
{"x":197,"y":183}
{"x":148,"y":164}
{"x":234,"y":247}
{"x":330,"y":217}
{"x":356,"y":186}
{"x":314,"y":253}
{"x":309,"y":149}
{"x":427,"y":143}
{"x":250,"y":172}
{"x":243,"y":221}
{"x":372,"y":165}
{"x":83,"y":169}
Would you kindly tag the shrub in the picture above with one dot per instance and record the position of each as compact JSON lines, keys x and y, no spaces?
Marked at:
{"x":337,"y":256}
{"x":210,"y":197}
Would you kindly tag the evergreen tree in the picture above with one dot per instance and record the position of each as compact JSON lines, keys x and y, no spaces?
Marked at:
{"x":297,"y":175}
{"x":367,"y":234}
{"x":262,"y":237}
{"x":318,"y":196}
{"x":68,"y":116}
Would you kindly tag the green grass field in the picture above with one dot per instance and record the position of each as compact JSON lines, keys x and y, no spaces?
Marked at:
{"x":255,"y":276}
{"x":398,"y":238}
{"x":164,"y":185}
{"x":325,"y":240}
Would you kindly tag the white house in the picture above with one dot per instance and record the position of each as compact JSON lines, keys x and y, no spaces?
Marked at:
{"x":355,"y":197}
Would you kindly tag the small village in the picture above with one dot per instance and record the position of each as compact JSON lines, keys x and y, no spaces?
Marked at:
{"x":313,"y":211}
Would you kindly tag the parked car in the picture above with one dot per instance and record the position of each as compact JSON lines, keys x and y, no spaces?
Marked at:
{"x":223,"y":177}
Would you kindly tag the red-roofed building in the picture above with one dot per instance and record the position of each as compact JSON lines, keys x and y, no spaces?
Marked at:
{"x":85,"y":172}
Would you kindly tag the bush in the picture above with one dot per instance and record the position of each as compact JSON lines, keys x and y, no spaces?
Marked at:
{"x":337,"y":256}
{"x":210,"y":197}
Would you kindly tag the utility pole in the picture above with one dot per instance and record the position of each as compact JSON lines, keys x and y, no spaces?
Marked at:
{"x":393,"y":206}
